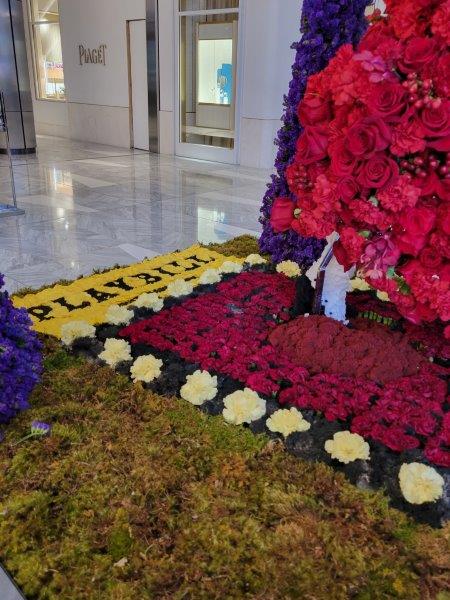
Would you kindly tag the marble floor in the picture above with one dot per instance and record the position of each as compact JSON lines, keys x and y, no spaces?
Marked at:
{"x":89,"y":206}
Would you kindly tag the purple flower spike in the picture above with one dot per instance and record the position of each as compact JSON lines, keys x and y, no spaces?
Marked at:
{"x":326,"y":25}
{"x":20,"y":358}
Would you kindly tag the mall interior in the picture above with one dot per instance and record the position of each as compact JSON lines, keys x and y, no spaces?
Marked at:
{"x":136,"y":127}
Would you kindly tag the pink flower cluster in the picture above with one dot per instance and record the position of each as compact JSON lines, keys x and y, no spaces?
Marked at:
{"x":227,"y":332}
{"x":373,"y":161}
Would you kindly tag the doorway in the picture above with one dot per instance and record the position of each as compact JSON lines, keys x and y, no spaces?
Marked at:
{"x":138,"y":84}
{"x":207,"y":98}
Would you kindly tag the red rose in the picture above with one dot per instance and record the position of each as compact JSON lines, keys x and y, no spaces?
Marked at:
{"x":430,"y":258}
{"x":417,"y":223}
{"x":312,"y":144}
{"x":282,"y":214}
{"x":343,"y":161}
{"x":348,"y":188}
{"x":419,"y":52}
{"x":313,"y":109}
{"x":368,"y":136}
{"x":389,"y":101}
{"x":436,"y":124}
{"x":378,"y":172}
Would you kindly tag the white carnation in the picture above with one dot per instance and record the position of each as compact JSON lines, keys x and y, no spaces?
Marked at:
{"x":152,"y":301}
{"x":231,"y":267}
{"x":347,"y":447}
{"x":210,"y":276}
{"x":243,"y":406}
{"x":115,"y":352}
{"x":199,"y":387}
{"x":76,"y":330}
{"x":146,"y":368}
{"x":255,"y":259}
{"x":287,"y":421}
{"x":118,"y":315}
{"x":179,"y":288}
{"x":420,"y":483}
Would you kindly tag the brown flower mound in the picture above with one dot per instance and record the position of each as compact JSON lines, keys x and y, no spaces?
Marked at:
{"x":323,"y":345}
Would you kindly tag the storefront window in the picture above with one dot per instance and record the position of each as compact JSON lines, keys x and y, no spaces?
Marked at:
{"x":47,"y":49}
{"x":208,"y":67}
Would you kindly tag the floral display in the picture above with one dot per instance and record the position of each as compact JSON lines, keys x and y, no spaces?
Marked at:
{"x":75,"y":330}
{"x":115,"y":352}
{"x":199,"y":388}
{"x":232,"y":331}
{"x":325,"y":27}
{"x":233,"y":348}
{"x":118,"y":315}
{"x":347,"y":447}
{"x":243,"y":406}
{"x":373,"y":159}
{"x":287,"y":421}
{"x":420,"y":483}
{"x":20,"y":358}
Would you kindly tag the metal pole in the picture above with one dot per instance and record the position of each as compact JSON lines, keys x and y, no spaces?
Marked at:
{"x":7,"y":210}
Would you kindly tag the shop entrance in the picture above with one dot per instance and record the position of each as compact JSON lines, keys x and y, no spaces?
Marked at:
{"x":207,"y":73}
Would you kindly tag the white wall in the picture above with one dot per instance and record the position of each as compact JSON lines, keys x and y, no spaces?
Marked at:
{"x":98,"y":96}
{"x":270,"y":27}
{"x":166,"y":77}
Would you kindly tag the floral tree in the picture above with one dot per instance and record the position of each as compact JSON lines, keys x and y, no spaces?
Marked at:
{"x":20,"y":358}
{"x":373,"y":160}
{"x":325,"y":25}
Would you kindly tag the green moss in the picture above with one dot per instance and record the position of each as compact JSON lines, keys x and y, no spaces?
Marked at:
{"x":240,"y":246}
{"x":198,"y":508}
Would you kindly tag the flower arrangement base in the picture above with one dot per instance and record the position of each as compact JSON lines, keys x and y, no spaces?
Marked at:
{"x":242,"y":335}
{"x":323,"y":345}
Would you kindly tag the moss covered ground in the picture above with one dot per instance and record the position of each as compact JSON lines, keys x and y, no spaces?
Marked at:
{"x":135,"y":496}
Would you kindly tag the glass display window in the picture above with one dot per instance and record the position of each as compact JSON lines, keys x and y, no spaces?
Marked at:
{"x":47,"y":51}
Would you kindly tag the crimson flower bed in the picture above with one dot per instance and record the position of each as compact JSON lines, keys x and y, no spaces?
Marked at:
{"x":228,"y":331}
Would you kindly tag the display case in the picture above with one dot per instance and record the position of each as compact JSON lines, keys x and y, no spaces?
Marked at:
{"x":216,"y":60}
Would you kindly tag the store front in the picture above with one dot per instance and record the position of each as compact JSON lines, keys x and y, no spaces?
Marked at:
{"x":195,"y":78}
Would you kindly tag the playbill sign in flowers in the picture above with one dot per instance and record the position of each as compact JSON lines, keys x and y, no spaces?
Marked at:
{"x":88,"y":299}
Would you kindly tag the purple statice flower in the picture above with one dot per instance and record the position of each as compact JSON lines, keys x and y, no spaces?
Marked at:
{"x":20,"y":358}
{"x":325,"y":26}
{"x":39,"y":428}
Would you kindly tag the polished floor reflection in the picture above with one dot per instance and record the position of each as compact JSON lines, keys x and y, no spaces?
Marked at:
{"x":90,"y":206}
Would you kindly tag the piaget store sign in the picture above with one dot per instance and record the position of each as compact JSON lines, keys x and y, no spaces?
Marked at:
{"x":95,"y":56}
